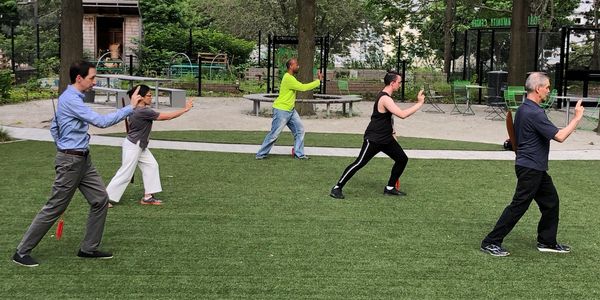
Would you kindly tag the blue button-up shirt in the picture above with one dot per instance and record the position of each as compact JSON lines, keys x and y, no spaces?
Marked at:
{"x":70,"y":125}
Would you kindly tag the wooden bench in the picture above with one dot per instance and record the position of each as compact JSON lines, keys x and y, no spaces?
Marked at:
{"x":176,"y":96}
{"x":214,"y":60}
{"x":119,"y":93}
{"x":321,"y":99}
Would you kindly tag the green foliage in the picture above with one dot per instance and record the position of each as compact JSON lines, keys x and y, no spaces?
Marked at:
{"x":28,"y":92}
{"x":344,"y":22}
{"x":47,"y":67}
{"x":166,"y":28}
{"x":6,"y":81}
{"x":25,"y":36}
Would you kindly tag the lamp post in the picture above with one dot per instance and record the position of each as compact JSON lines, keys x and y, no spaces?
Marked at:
{"x":12,"y":39}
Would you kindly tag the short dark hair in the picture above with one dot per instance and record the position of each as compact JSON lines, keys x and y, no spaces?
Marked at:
{"x":390,"y":77}
{"x":288,"y":63}
{"x":81,"y":68}
{"x":144,"y":89}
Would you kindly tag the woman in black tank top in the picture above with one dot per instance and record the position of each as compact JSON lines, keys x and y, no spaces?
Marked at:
{"x":379,"y":137}
{"x":381,"y":127}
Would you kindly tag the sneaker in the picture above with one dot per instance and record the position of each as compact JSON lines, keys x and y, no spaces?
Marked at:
{"x":95,"y":254}
{"x":495,"y":250}
{"x":336,"y":193}
{"x":303,"y":157}
{"x":26,"y":261}
{"x":393,"y":192}
{"x":151,"y":201}
{"x":261,"y":157}
{"x":558,"y":248}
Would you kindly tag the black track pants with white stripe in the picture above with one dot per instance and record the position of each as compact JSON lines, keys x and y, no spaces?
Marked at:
{"x":368,"y":151}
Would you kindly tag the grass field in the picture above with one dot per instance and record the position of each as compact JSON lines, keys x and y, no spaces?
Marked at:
{"x":234,"y":227}
{"x":341,"y":140}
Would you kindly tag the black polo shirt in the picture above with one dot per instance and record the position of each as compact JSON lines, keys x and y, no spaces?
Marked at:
{"x":533,"y":132}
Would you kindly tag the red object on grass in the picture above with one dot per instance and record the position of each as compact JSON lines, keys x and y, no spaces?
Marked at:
{"x":398,"y":184}
{"x":293,"y":152}
{"x":59,"y":228}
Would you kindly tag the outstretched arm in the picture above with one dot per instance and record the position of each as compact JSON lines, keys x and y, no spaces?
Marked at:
{"x":174,"y":114}
{"x":296,"y":85}
{"x":390,"y":106}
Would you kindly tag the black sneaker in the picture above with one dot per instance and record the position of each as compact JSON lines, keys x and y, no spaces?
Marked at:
{"x":303,"y":157}
{"x":26,"y":261}
{"x":393,"y":192}
{"x":261,"y":157}
{"x":558,"y":248}
{"x":336,"y":193}
{"x":495,"y":250}
{"x":95,"y":254}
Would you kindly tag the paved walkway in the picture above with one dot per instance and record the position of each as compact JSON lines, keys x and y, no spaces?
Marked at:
{"x":44,"y":135}
{"x":30,"y":121}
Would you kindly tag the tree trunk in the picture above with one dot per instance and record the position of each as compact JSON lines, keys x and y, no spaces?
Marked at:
{"x":517,"y":57}
{"x":71,"y":38}
{"x":306,"y":50}
{"x":448,"y":21}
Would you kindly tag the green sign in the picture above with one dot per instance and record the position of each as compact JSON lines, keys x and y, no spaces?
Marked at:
{"x":501,"y":22}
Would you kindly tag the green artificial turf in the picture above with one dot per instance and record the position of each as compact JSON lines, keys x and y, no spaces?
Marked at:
{"x":341,"y":140}
{"x":235,"y":227}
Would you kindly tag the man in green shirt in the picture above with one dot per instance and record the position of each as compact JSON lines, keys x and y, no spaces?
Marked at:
{"x":284,"y":113}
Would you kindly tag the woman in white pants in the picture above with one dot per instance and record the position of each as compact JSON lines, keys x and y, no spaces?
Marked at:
{"x":136,"y":152}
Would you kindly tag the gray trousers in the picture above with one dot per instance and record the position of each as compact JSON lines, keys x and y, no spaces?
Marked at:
{"x":72,"y":172}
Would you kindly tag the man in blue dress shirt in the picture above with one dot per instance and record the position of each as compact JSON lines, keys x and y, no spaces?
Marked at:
{"x":74,"y":168}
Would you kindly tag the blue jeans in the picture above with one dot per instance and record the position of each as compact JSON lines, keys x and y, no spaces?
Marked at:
{"x":282,"y":118}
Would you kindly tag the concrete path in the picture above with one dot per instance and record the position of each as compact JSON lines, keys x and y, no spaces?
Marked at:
{"x":44,"y":135}
{"x":30,"y":120}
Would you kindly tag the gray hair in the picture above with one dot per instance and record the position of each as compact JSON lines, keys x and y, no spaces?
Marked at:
{"x":535,"y":80}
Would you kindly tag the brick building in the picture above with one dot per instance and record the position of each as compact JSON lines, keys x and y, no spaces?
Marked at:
{"x":111,"y":26}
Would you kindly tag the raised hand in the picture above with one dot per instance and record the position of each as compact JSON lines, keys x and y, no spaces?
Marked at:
{"x":421,"y":97}
{"x":135,"y":97}
{"x":579,"y":109}
{"x":320,"y":75}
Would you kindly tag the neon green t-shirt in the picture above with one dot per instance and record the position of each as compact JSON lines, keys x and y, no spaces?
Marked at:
{"x":287,"y":91}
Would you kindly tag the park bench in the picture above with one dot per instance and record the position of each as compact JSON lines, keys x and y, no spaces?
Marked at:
{"x":214,"y":60}
{"x":119,"y":93}
{"x":320,"y":99}
{"x":176,"y":96}
{"x":217,"y":62}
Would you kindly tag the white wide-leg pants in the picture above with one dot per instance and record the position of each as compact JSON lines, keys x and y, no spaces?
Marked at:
{"x":134,"y":155}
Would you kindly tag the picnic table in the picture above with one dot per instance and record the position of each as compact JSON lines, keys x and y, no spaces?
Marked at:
{"x":132,"y":79}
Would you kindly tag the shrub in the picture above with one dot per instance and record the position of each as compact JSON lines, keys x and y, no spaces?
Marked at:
{"x":5,"y":84}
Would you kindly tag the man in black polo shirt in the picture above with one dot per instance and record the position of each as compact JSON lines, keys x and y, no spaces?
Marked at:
{"x":533,"y":133}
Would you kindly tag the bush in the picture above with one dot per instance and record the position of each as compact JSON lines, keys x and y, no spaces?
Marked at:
{"x":22,"y":94}
{"x":5,"y":84}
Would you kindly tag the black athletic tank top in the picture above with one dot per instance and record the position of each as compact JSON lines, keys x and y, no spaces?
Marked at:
{"x":380,"y":128}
